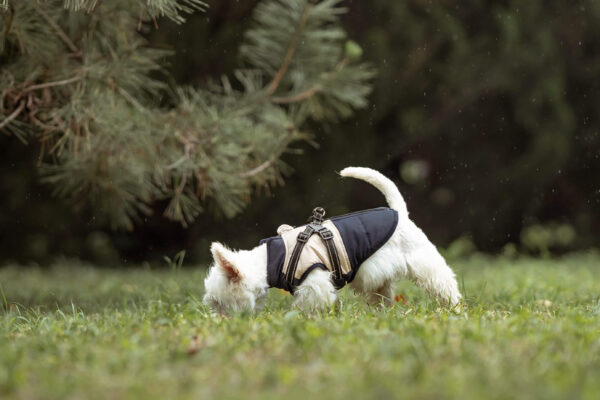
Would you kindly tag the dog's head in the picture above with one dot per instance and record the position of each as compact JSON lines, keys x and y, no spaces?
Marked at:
{"x":237,"y":279}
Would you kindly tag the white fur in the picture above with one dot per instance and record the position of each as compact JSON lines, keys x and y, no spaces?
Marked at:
{"x":407,"y":254}
{"x":223,"y":294}
{"x":316,"y":292}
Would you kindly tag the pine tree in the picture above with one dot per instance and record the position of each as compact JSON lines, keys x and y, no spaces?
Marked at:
{"x":78,"y":77}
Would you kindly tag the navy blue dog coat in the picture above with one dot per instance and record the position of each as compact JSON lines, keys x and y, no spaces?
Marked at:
{"x":356,"y":237}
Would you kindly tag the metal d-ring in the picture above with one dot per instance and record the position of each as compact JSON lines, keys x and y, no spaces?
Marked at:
{"x":318,"y":215}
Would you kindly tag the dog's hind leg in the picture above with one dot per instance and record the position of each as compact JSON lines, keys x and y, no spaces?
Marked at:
{"x":316,"y":292}
{"x":428,"y":269}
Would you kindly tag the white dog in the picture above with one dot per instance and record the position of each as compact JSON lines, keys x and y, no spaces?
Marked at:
{"x":239,"y":280}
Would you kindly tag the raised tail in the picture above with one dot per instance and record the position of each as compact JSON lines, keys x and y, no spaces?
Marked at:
{"x":381,"y":182}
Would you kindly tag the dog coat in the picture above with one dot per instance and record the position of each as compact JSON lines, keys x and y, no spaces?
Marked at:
{"x":356,"y":237}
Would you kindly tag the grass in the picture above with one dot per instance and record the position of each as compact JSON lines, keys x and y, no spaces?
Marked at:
{"x":529,"y":329}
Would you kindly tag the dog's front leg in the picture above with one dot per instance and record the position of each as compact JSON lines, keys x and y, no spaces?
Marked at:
{"x":316,"y":292}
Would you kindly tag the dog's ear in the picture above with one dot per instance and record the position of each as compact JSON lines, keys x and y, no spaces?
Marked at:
{"x":222,"y":257}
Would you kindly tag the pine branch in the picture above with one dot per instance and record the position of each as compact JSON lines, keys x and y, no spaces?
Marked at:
{"x":13,"y":115}
{"x":112,"y":147}
{"x":291,"y":50}
{"x":262,"y":167}
{"x":306,"y":94}
{"x":58,"y":30}
{"x":52,"y":84}
{"x":8,"y":19}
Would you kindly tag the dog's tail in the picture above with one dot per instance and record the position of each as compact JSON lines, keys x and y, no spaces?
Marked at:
{"x":385,"y":186}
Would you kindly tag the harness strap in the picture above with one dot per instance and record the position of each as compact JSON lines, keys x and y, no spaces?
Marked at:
{"x":315,"y":227}
{"x":334,"y":258}
{"x":300,"y":242}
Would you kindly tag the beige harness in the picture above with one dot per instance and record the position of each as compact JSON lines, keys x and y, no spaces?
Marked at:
{"x":314,"y":251}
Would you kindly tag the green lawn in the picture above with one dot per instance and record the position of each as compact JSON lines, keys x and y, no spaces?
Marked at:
{"x":529,"y":329}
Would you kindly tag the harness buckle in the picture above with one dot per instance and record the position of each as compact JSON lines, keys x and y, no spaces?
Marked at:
{"x":303,"y":237}
{"x":326,"y":234}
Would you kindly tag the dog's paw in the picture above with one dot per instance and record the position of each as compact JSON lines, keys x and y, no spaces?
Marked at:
{"x":284,"y":228}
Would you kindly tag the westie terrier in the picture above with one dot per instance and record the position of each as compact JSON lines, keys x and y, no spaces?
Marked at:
{"x":367,"y":250}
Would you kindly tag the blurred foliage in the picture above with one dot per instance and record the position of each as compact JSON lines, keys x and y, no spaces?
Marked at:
{"x":79,"y":78}
{"x":543,"y":238}
{"x":461,"y":248}
{"x":495,"y":101}
{"x":484,"y":113}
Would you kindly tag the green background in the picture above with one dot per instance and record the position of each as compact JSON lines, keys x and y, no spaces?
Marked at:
{"x":483,"y":112}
